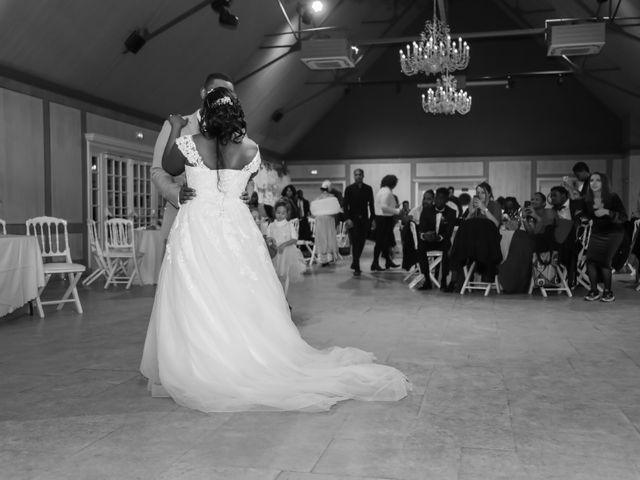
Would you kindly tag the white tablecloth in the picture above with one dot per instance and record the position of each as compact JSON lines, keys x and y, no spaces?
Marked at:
{"x":21,"y":271}
{"x":150,"y":247}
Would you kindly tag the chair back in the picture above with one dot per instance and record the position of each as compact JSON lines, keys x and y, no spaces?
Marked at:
{"x":119,"y":235}
{"x":52,"y":236}
{"x":3,"y":227}
{"x":312,"y":226}
{"x":296,"y":224}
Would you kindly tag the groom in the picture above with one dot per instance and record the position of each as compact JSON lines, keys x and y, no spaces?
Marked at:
{"x":174,"y":189}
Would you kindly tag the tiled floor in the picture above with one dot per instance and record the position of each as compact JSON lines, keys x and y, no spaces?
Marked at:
{"x":505,"y":387}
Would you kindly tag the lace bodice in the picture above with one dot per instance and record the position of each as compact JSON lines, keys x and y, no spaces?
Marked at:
{"x":214,"y":184}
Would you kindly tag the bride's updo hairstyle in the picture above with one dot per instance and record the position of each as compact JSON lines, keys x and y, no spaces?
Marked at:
{"x":222,"y":119}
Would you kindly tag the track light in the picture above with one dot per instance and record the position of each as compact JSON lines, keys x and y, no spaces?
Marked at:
{"x":225,"y":17}
{"x":510,"y":83}
{"x":308,"y":10}
{"x":135,"y":41}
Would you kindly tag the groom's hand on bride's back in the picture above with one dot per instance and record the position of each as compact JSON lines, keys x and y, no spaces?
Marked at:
{"x":186,"y":194}
{"x":245,"y":197}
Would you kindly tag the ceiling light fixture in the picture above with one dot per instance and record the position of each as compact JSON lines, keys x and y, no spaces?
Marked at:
{"x":225,"y":17}
{"x":308,"y":10}
{"x":435,"y":51}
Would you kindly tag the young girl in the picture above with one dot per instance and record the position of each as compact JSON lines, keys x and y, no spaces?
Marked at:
{"x":288,"y":262}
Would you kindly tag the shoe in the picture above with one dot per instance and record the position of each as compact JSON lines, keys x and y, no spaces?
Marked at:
{"x":426,"y":286}
{"x":592,"y":296}
{"x":607,"y":296}
{"x":389,"y":265}
{"x":357,"y":273}
{"x":450,"y":288}
{"x":376,"y":268}
{"x":325,"y":264}
{"x":354,"y":267}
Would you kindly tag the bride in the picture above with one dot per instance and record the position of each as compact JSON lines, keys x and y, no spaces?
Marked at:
{"x":220,"y":338}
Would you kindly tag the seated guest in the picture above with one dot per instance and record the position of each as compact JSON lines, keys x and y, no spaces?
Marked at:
{"x":427,"y":200}
{"x":288,"y":196}
{"x":511,"y":214}
{"x":607,"y":212}
{"x":534,"y":211}
{"x":478,"y":238}
{"x":484,"y":206}
{"x":434,"y":233}
{"x":454,"y":202}
{"x":405,"y":207}
{"x":465,"y":200}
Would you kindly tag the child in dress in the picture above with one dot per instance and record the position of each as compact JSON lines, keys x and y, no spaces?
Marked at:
{"x":288,"y":262}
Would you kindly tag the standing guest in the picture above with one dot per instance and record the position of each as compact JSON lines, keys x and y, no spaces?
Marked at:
{"x":386,"y":209}
{"x":434,"y":231}
{"x":288,"y":262}
{"x":304,"y":229}
{"x":324,"y":209}
{"x":606,"y":211}
{"x":288,"y":196}
{"x":359,"y":216}
{"x":578,"y":189}
{"x":405,"y":208}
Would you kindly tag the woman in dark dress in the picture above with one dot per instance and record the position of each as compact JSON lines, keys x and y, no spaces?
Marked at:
{"x":607,"y":213}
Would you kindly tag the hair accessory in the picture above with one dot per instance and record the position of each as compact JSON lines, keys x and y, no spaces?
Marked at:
{"x":223,"y":101}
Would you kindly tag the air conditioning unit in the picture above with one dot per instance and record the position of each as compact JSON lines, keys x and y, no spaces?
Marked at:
{"x":327,"y":54}
{"x":566,"y":37}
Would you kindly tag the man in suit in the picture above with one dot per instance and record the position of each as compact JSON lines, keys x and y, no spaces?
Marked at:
{"x":174,"y":189}
{"x":359,"y":214}
{"x":434,"y":233}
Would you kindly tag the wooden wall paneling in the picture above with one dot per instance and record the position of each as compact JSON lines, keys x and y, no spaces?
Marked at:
{"x":66,"y":163}
{"x":450,"y":169}
{"x":125,"y":131}
{"x":562,"y":167}
{"x":510,"y":178}
{"x":323,"y":171}
{"x":22,"y":175}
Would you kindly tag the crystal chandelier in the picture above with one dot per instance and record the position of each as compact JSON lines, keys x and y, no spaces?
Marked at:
{"x":446,"y":99}
{"x":435,"y":52}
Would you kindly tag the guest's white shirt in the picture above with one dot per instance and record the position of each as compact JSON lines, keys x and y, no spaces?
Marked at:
{"x":385,"y":203}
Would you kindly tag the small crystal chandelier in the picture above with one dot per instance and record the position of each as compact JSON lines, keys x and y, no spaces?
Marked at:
{"x":435,"y":52}
{"x":446,"y":99}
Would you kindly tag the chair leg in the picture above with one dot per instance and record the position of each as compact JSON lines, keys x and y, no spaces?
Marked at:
{"x":110,"y":273}
{"x":468,"y":273}
{"x":40,"y":290}
{"x":498,"y":287}
{"x":134,"y":273}
{"x":76,"y":297}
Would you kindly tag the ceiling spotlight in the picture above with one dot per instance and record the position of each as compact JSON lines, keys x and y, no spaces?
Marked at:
{"x":510,"y":83}
{"x":307,"y":10}
{"x":135,"y":41}
{"x":560,"y":80}
{"x":225,"y":17}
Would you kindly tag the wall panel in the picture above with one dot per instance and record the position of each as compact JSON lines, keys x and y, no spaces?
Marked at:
{"x":450,"y":169}
{"x":66,"y":163}
{"x":324,"y":171}
{"x":21,"y":157}
{"x":373,"y":173}
{"x":510,"y":178}
{"x":117,"y":129}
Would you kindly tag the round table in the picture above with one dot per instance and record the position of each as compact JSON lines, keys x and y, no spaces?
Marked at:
{"x":150,"y":250}
{"x":21,"y":271}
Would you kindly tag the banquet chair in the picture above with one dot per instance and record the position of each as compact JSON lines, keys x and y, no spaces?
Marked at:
{"x":434,"y":258}
{"x":307,"y":245}
{"x":97,"y":252}
{"x":584,"y":232}
{"x":53,"y":240}
{"x":471,"y":284}
{"x":119,"y":251}
{"x":3,"y":227}
{"x":342,"y":237}
{"x":556,"y":272}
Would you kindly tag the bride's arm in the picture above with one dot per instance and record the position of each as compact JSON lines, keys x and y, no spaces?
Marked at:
{"x":173,"y":159}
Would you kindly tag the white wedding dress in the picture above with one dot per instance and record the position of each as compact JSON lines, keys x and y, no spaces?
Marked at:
{"x":220,"y":338}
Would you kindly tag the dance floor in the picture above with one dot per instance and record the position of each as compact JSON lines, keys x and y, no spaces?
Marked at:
{"x":505,"y":387}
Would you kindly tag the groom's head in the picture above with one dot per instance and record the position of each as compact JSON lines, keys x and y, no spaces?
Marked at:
{"x":215,"y":80}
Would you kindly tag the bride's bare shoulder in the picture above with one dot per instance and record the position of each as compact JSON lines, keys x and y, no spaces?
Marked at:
{"x":249,"y":149}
